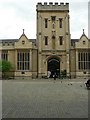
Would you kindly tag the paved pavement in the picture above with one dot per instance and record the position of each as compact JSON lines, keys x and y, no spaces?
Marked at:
{"x":44,"y":98}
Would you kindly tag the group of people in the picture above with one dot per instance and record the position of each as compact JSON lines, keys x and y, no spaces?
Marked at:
{"x":54,"y":75}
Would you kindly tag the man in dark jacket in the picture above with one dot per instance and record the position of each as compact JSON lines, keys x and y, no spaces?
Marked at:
{"x":55,"y":76}
{"x":88,"y":83}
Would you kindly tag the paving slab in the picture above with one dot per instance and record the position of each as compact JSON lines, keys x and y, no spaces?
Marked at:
{"x":44,"y":98}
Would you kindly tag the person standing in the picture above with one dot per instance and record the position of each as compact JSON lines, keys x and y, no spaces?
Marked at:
{"x":49,"y":74}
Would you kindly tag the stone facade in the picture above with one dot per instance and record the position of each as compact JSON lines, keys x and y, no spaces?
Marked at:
{"x":53,"y":14}
{"x":53,"y":50}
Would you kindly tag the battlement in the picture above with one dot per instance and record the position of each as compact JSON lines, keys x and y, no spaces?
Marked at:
{"x":52,"y":6}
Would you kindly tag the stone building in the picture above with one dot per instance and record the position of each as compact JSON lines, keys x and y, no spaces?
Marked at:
{"x":53,"y":50}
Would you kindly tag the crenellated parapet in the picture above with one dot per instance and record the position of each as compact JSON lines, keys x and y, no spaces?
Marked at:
{"x":52,"y":6}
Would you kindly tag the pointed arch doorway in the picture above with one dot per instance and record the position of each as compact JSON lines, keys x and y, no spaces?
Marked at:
{"x":53,"y":65}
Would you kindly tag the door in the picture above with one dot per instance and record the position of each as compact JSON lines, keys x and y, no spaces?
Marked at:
{"x":54,"y":66}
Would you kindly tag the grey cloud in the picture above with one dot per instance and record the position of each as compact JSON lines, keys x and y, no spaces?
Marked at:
{"x":22,"y":9}
{"x":25,"y":14}
{"x":78,"y":6}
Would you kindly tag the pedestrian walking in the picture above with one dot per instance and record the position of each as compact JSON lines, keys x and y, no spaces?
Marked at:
{"x":55,"y":76}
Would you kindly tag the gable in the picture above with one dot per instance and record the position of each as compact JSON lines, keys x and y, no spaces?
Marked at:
{"x":83,"y":42}
{"x":23,"y":42}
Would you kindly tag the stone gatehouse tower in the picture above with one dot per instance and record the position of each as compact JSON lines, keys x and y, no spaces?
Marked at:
{"x":53,"y":38}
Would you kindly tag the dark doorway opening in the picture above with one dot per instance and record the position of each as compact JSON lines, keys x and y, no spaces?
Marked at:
{"x":54,"y":67}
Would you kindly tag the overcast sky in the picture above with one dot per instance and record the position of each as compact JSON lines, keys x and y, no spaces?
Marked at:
{"x":16,"y":15}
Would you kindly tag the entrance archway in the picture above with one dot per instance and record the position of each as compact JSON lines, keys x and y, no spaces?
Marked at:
{"x":53,"y":66}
